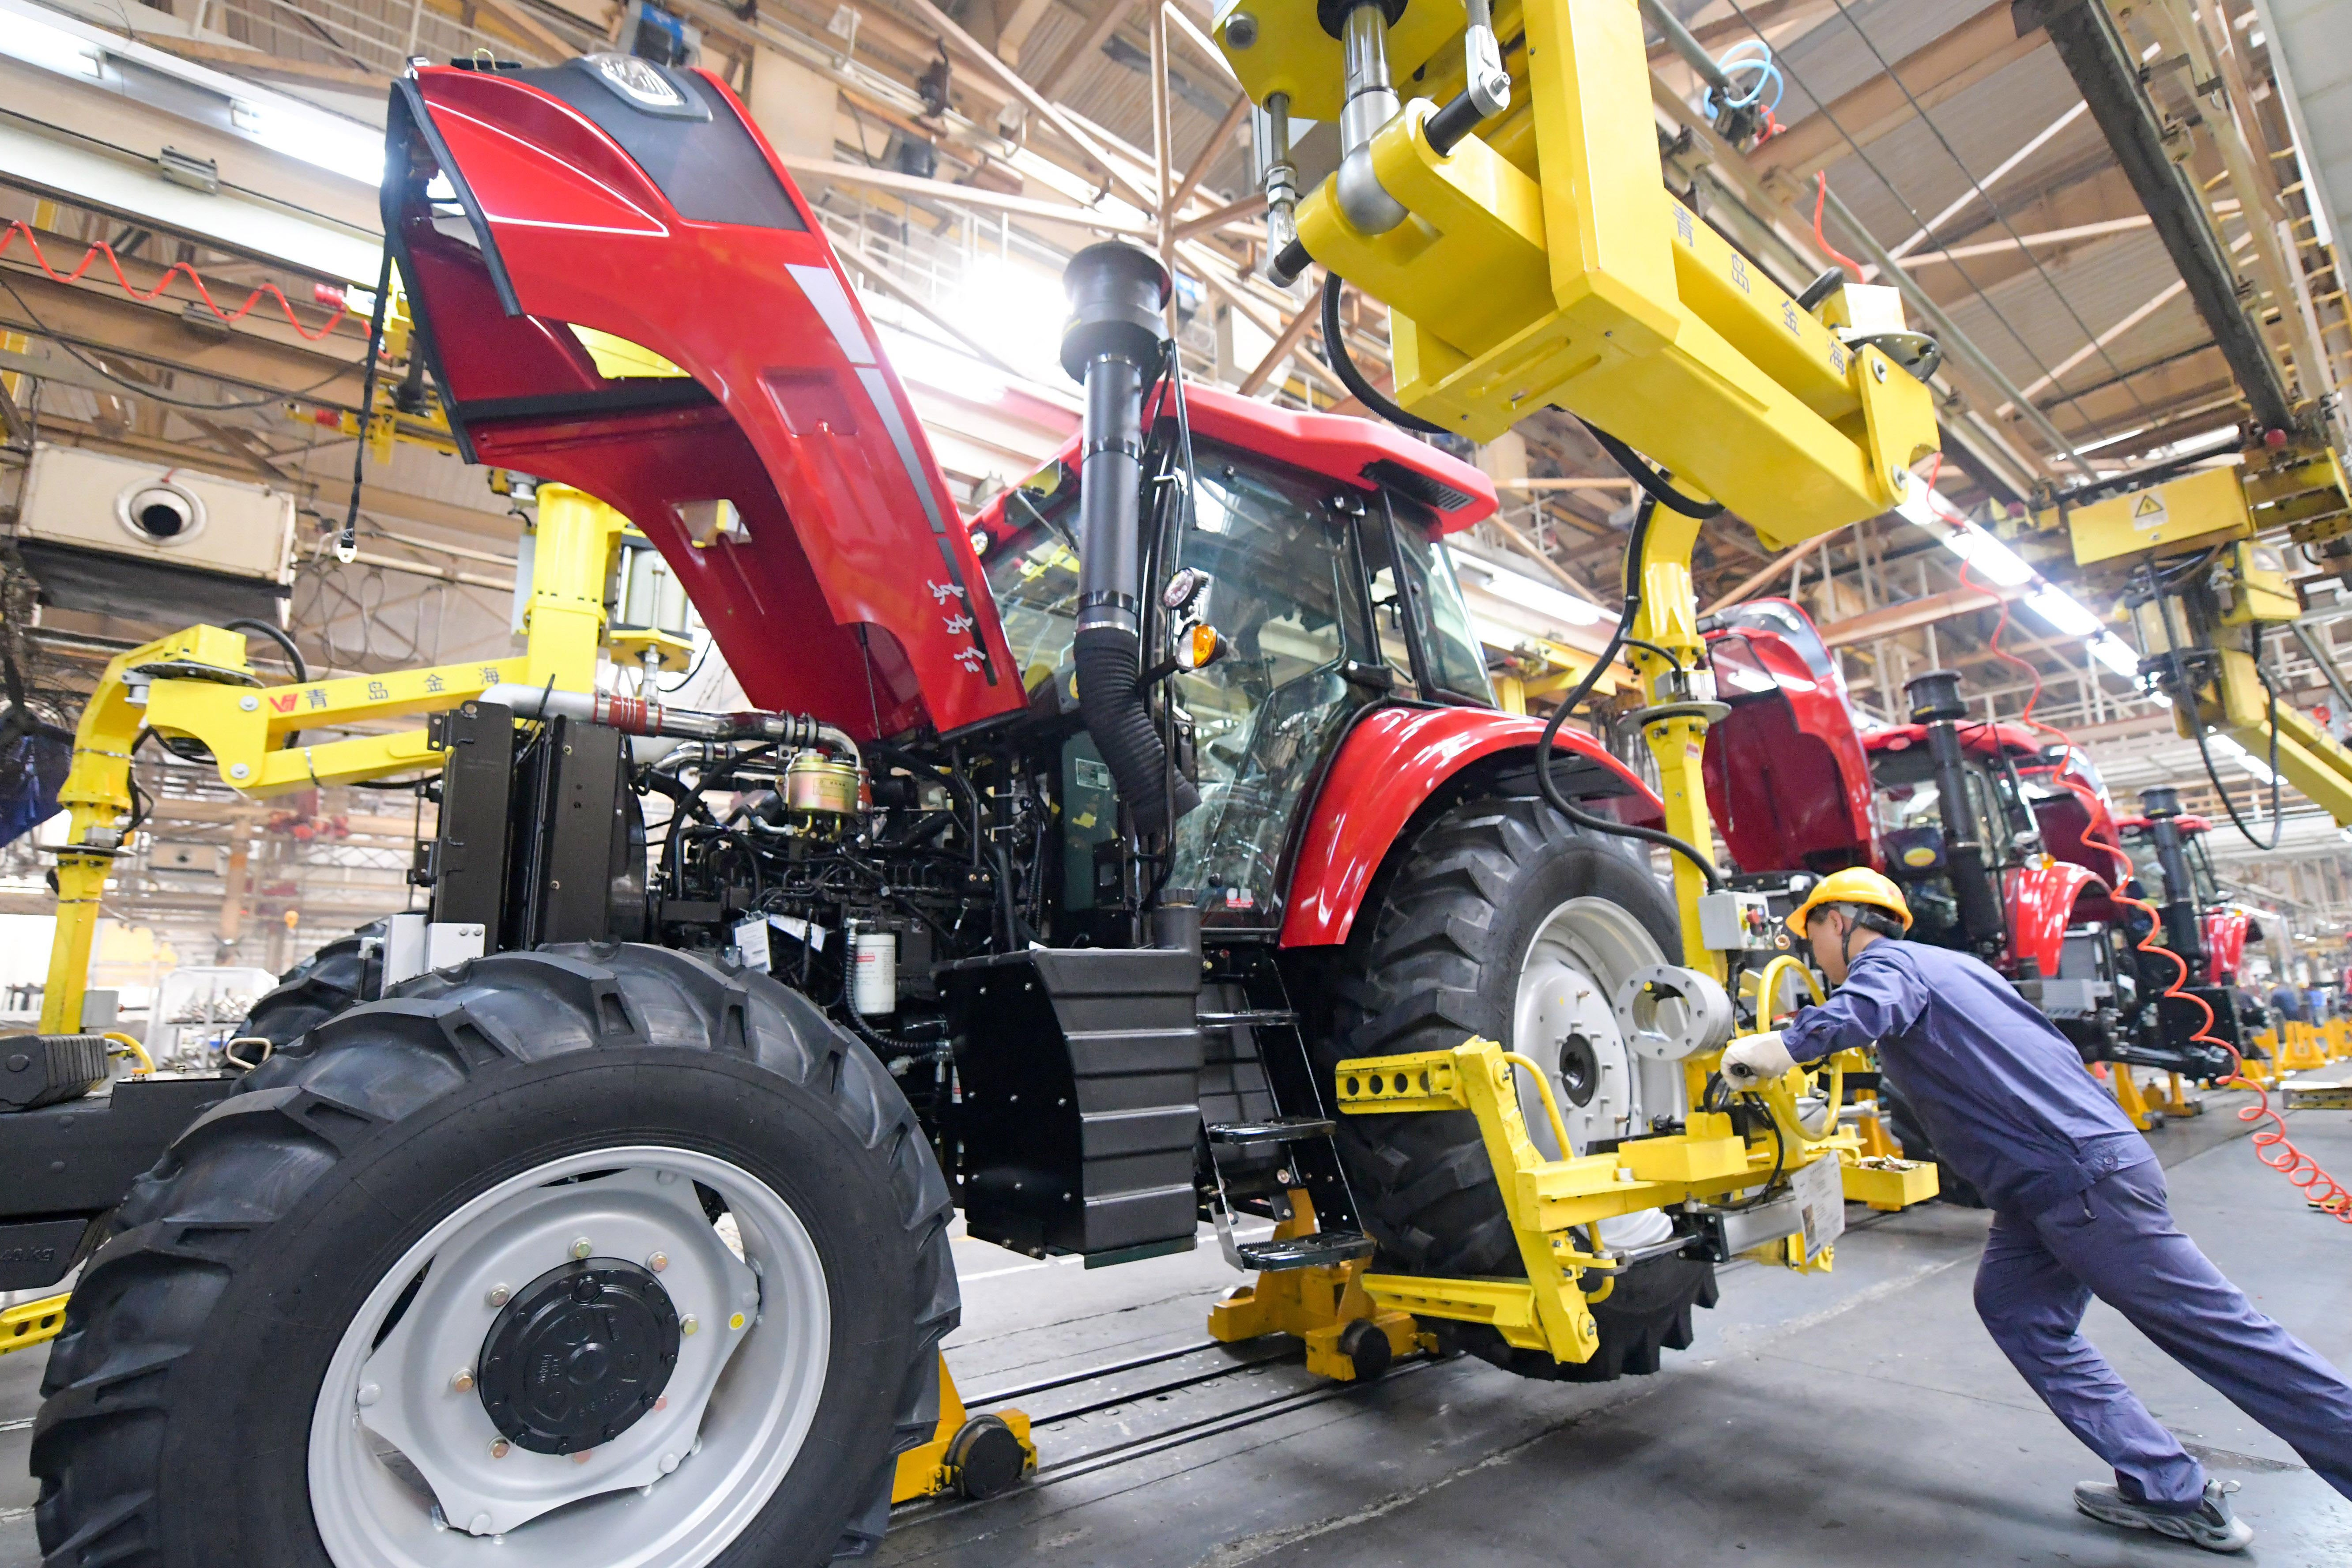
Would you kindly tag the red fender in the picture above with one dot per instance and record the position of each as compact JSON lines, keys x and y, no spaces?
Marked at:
{"x":2040,"y":905}
{"x":2225,"y":945}
{"x":1390,"y":765}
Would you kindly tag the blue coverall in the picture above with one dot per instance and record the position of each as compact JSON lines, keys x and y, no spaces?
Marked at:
{"x":2078,"y":1203}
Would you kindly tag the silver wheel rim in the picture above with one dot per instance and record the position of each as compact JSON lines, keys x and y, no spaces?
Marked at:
{"x":393,"y":1440}
{"x":1563,"y":1018}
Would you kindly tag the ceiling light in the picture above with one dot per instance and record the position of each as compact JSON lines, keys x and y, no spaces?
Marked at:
{"x":2117,"y":655}
{"x":1541,"y":597}
{"x":53,"y":49}
{"x":2062,"y":612}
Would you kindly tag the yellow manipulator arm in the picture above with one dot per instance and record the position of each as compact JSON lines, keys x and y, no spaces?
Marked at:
{"x":96,"y":797}
{"x":1540,"y":261}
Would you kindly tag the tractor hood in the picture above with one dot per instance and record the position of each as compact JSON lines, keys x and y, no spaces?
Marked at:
{"x":617,"y":288}
{"x":1787,"y":778}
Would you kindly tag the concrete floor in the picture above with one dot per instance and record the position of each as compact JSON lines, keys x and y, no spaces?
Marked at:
{"x":1860,"y":1418}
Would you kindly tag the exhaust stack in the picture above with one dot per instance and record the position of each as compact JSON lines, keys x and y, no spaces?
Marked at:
{"x":1113,"y":345}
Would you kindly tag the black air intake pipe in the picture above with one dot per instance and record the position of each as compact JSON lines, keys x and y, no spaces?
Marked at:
{"x":1936,"y":702}
{"x":1113,"y":345}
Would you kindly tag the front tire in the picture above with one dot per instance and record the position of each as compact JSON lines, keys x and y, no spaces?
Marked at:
{"x":1503,"y":921}
{"x":292,"y":1294}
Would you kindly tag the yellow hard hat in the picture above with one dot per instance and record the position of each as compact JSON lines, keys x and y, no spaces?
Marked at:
{"x":1854,"y":885}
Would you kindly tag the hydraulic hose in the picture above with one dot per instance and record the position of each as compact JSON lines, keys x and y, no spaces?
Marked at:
{"x":1115,"y":339}
{"x":293,"y":656}
{"x":1549,"y":785}
{"x":1343,"y":364}
{"x":2205,"y":754}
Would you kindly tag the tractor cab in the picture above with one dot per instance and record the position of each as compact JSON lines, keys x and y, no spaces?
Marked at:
{"x":1316,"y":592}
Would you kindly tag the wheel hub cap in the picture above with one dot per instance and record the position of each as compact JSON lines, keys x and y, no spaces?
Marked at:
{"x":579,"y":1356}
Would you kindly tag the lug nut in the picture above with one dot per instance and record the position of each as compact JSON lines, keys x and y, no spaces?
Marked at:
{"x":658,"y":1261}
{"x":481,"y":1525}
{"x":463,"y":1382}
{"x":498,"y":1448}
{"x":669,"y":1463}
{"x":580,"y":1456}
{"x":369,"y":1393}
{"x":687,"y":1324}
{"x":499,"y":1296}
{"x":735,"y":1321}
{"x":663,"y":1403}
{"x":582,"y":1246}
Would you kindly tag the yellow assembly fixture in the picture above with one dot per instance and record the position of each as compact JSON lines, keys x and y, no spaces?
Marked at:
{"x":195,"y":689}
{"x":1539,"y":260}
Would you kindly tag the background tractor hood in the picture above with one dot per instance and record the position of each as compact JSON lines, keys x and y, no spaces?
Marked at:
{"x":536,"y":216}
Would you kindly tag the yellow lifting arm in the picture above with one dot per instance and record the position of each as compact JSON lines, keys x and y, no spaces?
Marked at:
{"x":1540,"y":260}
{"x":195,"y":686}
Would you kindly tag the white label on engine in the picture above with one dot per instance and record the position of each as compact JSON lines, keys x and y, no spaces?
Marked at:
{"x":1820,"y":1192}
{"x":752,"y":946}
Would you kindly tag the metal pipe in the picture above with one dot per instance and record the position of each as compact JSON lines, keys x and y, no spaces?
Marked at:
{"x":639,"y":716}
{"x":1277,"y":174}
{"x":1371,"y":103}
{"x":1694,"y":53}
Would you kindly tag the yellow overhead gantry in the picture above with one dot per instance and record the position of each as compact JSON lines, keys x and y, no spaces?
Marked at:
{"x":2197,"y":566}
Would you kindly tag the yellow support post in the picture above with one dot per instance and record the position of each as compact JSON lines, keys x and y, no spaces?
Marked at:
{"x":2128,"y":1096}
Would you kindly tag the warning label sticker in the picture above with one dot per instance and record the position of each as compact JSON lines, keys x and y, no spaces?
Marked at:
{"x":2149,"y":512}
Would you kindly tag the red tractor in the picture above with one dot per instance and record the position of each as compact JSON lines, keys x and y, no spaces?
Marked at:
{"x":2201,"y":924}
{"x":2006,"y":846}
{"x":1067,"y":849}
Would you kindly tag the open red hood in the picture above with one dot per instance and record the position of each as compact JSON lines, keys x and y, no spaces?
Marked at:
{"x":614,"y":196}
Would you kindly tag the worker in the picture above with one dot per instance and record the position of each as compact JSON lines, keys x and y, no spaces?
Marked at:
{"x":2079,"y":1210}
{"x":2287,"y":1003}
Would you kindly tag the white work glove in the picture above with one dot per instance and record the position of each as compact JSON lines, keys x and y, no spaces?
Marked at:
{"x":1754,"y":1059}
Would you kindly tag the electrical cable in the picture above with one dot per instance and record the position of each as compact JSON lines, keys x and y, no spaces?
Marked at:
{"x":1549,"y":785}
{"x":347,"y":544}
{"x":1654,"y":481}
{"x":1822,"y":103}
{"x":2205,"y":754}
{"x":1821,"y":200}
{"x":228,"y":318}
{"x":1335,"y":349}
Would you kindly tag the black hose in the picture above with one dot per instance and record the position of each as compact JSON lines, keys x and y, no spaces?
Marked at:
{"x":1549,"y":785}
{"x":293,"y":656}
{"x":1656,"y":483}
{"x":2196,"y":722}
{"x":349,"y":540}
{"x":1335,"y":349}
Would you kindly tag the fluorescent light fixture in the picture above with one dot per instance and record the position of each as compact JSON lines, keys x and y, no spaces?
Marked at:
{"x":1541,"y":597}
{"x":53,"y":49}
{"x":2117,"y":655}
{"x":1495,"y":635}
{"x":1988,"y":557}
{"x":2245,"y":758}
{"x":321,"y":140}
{"x":2062,"y":612}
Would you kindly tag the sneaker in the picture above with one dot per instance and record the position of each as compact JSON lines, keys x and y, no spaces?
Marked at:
{"x":2210,"y":1525}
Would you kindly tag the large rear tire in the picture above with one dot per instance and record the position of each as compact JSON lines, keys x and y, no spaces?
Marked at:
{"x":1504,"y":921}
{"x":346,"y":970}
{"x":323,"y":1315}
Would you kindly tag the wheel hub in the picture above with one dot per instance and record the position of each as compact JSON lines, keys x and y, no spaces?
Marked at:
{"x":580,"y":1354}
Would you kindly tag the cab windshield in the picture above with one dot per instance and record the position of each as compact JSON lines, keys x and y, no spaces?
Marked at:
{"x":1313,"y":586}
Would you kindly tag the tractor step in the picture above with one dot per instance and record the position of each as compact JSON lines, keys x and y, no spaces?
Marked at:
{"x":1263,"y":1018}
{"x":1280,"y":1129}
{"x":1324,"y":1249}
